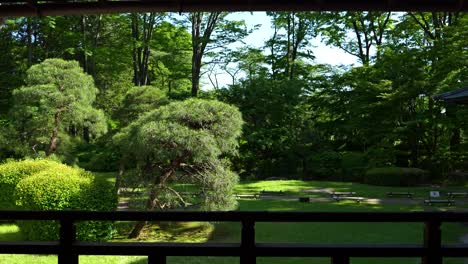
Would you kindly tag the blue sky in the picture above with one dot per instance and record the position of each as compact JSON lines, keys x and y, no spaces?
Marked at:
{"x":324,"y":54}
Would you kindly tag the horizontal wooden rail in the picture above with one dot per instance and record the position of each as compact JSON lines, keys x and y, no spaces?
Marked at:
{"x":68,"y":7}
{"x":431,"y":251}
{"x":236,"y":216}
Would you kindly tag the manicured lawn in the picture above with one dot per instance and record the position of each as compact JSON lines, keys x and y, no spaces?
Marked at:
{"x":295,"y":187}
{"x":368,"y":233}
{"x":370,"y":191}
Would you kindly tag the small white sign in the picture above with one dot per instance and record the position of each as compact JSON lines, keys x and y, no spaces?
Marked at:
{"x":434,"y":194}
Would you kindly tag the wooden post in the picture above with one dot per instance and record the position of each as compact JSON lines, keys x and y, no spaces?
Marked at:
{"x":248,"y":243}
{"x":340,"y":260}
{"x":156,"y":259}
{"x":432,"y":243}
{"x":67,"y":237}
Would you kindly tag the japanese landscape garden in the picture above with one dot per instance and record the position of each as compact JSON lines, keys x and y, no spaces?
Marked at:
{"x":125,"y":112}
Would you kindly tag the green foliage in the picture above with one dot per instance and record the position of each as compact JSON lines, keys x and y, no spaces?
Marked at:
{"x":189,"y":138}
{"x":395,"y":176}
{"x":273,"y":115}
{"x":457,"y":178}
{"x":380,"y":157}
{"x":64,"y":189}
{"x":58,"y":96}
{"x":171,"y":59}
{"x":99,"y":158}
{"x":324,"y":165}
{"x":294,"y":109}
{"x":354,"y":166}
{"x":140,"y":100}
{"x":219,"y":187}
{"x":11,"y":173}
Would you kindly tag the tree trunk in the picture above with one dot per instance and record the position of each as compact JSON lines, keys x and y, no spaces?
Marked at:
{"x":54,"y":137}
{"x":414,"y":154}
{"x":29,"y":41}
{"x":153,"y":201}
{"x":151,"y":204}
{"x":200,"y":39}
{"x":288,"y":46}
{"x":83,"y":45}
{"x":196,"y":65}
{"x":86,"y":135}
{"x":455,"y":139}
{"x":196,"y":20}
{"x":135,"y":36}
{"x":142,"y":34}
{"x":118,"y":179}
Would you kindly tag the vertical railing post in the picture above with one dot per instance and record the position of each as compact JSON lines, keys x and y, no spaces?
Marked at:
{"x":340,"y":260}
{"x":67,"y":238}
{"x":156,"y":259}
{"x":432,"y":242}
{"x":248,"y":242}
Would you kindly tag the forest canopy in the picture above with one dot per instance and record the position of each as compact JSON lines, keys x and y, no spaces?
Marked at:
{"x":302,"y":119}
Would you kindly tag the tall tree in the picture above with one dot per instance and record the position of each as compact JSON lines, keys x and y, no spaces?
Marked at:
{"x":355,"y":32}
{"x":211,"y":32}
{"x":142,"y":32}
{"x":272,"y":113}
{"x":185,"y":139}
{"x":170,"y":58}
{"x":287,"y":48}
{"x":57,"y":95}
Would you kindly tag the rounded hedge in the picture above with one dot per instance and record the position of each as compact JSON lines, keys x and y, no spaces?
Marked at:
{"x":395,"y":176}
{"x":66,"y":189}
{"x":12,"y":172}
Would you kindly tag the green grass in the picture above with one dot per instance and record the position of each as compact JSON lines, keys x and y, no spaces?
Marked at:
{"x":371,"y":191}
{"x":341,"y":232}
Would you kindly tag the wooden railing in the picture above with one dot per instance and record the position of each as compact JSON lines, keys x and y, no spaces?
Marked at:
{"x":431,"y":251}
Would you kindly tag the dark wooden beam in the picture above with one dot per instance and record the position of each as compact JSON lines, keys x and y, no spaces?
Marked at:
{"x":55,"y":8}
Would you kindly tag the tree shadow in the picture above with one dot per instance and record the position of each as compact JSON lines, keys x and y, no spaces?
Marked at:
{"x":140,"y":261}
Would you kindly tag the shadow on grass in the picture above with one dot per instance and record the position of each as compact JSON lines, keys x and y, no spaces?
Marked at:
{"x":140,"y":261}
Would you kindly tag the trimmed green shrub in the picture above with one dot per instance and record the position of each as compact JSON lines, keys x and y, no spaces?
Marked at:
{"x":66,"y":189}
{"x":12,"y":172}
{"x":456,"y":178}
{"x":395,"y":176}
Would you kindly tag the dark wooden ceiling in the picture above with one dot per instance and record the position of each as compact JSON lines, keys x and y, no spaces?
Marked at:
{"x":77,"y":7}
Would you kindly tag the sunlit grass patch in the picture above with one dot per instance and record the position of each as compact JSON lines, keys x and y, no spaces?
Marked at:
{"x":9,"y":232}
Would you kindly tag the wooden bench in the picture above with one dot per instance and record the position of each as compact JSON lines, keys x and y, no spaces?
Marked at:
{"x":433,"y":201}
{"x":434,"y":198}
{"x":457,"y":194}
{"x":275,"y":193}
{"x":407,"y":194}
{"x":246,"y":196}
{"x":339,"y":194}
{"x":350,"y":198}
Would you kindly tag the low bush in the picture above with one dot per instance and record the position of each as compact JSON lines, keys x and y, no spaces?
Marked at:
{"x":456,"y":178}
{"x":11,"y":172}
{"x":66,"y":189}
{"x":395,"y":176}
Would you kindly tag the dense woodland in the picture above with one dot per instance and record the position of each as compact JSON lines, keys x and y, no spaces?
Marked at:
{"x":300,"y":119}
